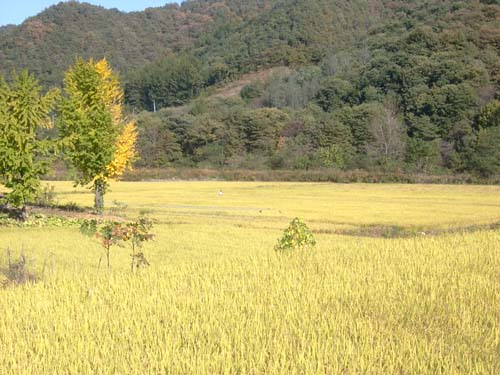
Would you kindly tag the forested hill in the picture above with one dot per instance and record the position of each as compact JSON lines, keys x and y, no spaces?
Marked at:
{"x":231,"y":37}
{"x":48,"y":43}
{"x":372,"y":84}
{"x":245,"y":34}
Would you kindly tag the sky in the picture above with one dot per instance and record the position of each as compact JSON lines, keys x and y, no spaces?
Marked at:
{"x":16,"y":11}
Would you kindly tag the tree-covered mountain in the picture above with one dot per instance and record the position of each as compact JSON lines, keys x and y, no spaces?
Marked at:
{"x":373,"y":84}
{"x":49,"y":42}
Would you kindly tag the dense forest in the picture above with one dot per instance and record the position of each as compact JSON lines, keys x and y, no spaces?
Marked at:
{"x":364,"y":84}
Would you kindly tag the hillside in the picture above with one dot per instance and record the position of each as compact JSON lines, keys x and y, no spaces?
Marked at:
{"x":244,"y":35}
{"x":48,"y":43}
{"x":385,"y":85}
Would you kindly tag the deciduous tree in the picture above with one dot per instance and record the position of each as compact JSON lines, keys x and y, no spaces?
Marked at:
{"x":23,"y":153}
{"x":100,"y":141}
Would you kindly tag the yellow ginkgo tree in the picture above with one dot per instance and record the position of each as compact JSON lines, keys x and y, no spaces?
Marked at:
{"x":100,"y":141}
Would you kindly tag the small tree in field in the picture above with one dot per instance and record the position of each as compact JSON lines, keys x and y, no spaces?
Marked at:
{"x":296,"y":236}
{"x":23,"y":154}
{"x":100,"y":142}
{"x":109,"y":234}
{"x":137,"y":233}
{"x":112,"y":233}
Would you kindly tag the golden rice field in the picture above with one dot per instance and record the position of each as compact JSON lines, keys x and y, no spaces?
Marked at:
{"x":218,"y":300}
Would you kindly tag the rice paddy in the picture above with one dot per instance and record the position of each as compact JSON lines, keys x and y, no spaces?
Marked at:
{"x":217,"y":299}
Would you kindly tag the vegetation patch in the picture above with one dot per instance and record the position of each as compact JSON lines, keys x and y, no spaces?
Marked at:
{"x":16,"y":271}
{"x":112,"y":233}
{"x":38,"y":221}
{"x":297,"y":236}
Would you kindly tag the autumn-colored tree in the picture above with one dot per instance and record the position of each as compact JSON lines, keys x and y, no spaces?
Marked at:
{"x":125,"y":152}
{"x":23,"y":153}
{"x":111,"y":233}
{"x":100,"y":141}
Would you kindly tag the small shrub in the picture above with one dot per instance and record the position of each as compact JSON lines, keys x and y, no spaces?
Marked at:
{"x":71,"y":207}
{"x":38,"y":220}
{"x":118,"y":208}
{"x":108,"y":233}
{"x":16,"y":272}
{"x":296,"y":236}
{"x":111,"y":233}
{"x":46,"y":197}
{"x":252,"y":90}
{"x":137,"y":233}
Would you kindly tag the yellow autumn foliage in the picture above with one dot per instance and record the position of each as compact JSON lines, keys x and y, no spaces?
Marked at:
{"x":112,"y":95}
{"x":125,"y":151}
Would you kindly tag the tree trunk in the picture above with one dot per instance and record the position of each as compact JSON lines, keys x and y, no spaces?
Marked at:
{"x":24,"y":214}
{"x":98,"y":196}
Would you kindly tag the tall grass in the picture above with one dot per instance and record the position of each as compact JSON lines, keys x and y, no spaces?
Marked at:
{"x":218,"y":299}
